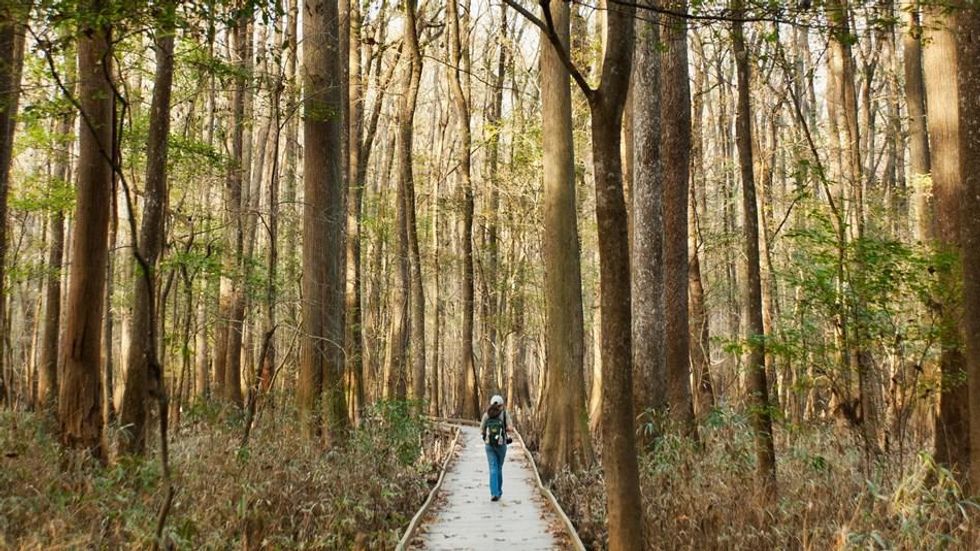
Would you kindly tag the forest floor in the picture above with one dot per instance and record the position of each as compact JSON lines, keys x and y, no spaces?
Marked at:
{"x":283,"y":492}
{"x":703,"y":495}
{"x":278,"y":492}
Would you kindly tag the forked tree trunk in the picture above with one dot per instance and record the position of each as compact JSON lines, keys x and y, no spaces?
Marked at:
{"x":417,"y":293}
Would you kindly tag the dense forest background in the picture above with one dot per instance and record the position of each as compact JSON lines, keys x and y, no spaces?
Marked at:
{"x":719,"y":257}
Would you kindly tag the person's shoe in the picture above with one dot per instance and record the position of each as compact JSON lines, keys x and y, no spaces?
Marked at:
{"x":495,"y":498}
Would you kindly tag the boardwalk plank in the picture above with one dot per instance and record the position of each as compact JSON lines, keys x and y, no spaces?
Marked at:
{"x":466,"y":519}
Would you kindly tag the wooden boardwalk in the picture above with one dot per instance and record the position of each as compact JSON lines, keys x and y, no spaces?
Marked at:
{"x":464,"y":518}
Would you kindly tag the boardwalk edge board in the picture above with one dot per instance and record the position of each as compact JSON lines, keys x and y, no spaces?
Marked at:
{"x":417,"y":519}
{"x":569,"y":527}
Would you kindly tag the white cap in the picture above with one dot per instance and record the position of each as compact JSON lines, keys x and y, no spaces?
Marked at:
{"x":497,"y":400}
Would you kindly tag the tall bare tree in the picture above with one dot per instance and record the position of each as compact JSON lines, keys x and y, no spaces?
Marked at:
{"x":606,"y":106}
{"x":675,"y":95}
{"x":324,"y":215}
{"x":468,"y":400}
{"x":647,"y":240}
{"x":565,"y":438}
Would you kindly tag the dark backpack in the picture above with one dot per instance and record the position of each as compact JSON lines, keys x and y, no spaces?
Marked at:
{"x":496,"y":429}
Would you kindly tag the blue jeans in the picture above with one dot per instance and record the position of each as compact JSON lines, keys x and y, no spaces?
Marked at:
{"x":495,"y":456}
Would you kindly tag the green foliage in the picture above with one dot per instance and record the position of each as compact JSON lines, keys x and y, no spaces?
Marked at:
{"x":394,"y":427}
{"x":867,"y":293}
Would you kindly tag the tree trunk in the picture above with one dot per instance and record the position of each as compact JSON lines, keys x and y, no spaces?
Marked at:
{"x":915,"y":100}
{"x":619,"y":449}
{"x":48,"y":372}
{"x":352,"y":297}
{"x":700,"y":337}
{"x":417,"y":295}
{"x":565,"y":441}
{"x":108,"y":367}
{"x":468,"y":400}
{"x":228,"y":338}
{"x":322,"y":359}
{"x":676,"y":149}
{"x":758,"y":386}
{"x":968,"y":81}
{"x":12,"y":37}
{"x":80,"y":396}
{"x":647,"y":239}
{"x":946,"y":134}
{"x":142,"y":352}
{"x":704,"y":397}
{"x":843,"y":107}
{"x":201,"y":380}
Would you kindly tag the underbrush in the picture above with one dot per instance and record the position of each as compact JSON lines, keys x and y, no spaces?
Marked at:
{"x":281,"y":491}
{"x":704,"y":496}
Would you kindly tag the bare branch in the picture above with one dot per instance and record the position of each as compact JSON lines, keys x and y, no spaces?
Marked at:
{"x":548,"y":28}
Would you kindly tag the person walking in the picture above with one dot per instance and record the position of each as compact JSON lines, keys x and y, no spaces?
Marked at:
{"x":495,"y":427}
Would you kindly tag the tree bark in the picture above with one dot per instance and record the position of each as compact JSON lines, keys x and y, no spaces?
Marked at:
{"x":468,"y":399}
{"x":143,"y":349}
{"x":946,"y":134}
{"x":322,"y":359}
{"x":80,"y":396}
{"x":12,"y":37}
{"x":676,"y":149}
{"x":915,"y":101}
{"x":48,"y":371}
{"x":968,"y":81}
{"x":647,"y":238}
{"x":565,"y":439}
{"x":760,"y":409}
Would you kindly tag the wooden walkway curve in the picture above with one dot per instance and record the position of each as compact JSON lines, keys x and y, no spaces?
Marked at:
{"x":460,"y":516}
